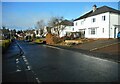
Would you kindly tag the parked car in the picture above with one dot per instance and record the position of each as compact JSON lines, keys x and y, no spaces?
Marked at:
{"x":118,"y":35}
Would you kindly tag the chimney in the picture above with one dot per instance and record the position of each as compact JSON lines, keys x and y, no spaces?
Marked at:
{"x":94,"y":8}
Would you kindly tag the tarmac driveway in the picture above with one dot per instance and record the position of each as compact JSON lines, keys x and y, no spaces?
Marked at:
{"x":97,"y":44}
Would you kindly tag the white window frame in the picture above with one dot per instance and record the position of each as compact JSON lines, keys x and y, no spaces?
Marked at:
{"x":92,"y":31}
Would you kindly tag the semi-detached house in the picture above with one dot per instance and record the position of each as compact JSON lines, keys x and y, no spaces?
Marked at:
{"x":102,"y":22}
{"x":65,"y":27}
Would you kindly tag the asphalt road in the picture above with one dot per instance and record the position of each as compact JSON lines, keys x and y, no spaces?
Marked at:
{"x":51,"y":64}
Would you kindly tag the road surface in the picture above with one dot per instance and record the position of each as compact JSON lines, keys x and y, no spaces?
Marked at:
{"x":44,"y":63}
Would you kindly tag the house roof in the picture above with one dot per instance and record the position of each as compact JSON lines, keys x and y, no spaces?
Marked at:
{"x":100,"y":10}
{"x":67,"y":23}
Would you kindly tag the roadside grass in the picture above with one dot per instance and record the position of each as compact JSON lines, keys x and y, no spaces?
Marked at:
{"x":4,"y":44}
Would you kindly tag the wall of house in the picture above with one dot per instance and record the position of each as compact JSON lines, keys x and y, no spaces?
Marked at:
{"x":114,"y":20}
{"x":53,"y":30}
{"x":37,"y":35}
{"x":63,"y":31}
{"x":86,"y":24}
{"x":66,"y":29}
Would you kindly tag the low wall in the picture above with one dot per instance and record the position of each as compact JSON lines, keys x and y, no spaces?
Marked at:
{"x":73,"y":41}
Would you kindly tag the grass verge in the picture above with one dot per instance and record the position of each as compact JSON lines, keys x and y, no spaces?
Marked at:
{"x":4,"y":44}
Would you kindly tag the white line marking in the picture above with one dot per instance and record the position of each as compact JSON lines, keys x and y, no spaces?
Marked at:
{"x":16,"y":59}
{"x":27,"y":63}
{"x":18,"y":70}
{"x":37,"y":80}
{"x":17,"y":62}
{"x":23,"y":56}
{"x":28,"y":68}
{"x":25,"y":60}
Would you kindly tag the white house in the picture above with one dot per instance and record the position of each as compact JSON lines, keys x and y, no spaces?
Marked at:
{"x":37,"y":32}
{"x":100,"y":22}
{"x":41,"y":32}
{"x":65,"y":27}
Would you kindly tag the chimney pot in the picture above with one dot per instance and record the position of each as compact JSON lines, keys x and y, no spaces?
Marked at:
{"x":94,"y":8}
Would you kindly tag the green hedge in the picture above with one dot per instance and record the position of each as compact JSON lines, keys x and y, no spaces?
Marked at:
{"x":5,"y":44}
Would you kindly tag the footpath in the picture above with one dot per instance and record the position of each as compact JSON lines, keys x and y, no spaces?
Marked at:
{"x":13,"y":66}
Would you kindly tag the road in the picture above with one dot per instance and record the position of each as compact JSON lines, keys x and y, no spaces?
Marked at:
{"x":51,"y":64}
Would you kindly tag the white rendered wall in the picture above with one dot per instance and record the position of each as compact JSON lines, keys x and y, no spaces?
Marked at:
{"x":114,"y":20}
{"x":67,"y":29}
{"x":99,"y":24}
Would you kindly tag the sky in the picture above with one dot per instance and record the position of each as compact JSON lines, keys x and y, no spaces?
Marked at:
{"x":24,"y":15}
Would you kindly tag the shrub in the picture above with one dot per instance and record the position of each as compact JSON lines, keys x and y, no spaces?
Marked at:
{"x":5,"y":44}
{"x":56,"y":39}
{"x":52,"y":39}
{"x":49,"y":38}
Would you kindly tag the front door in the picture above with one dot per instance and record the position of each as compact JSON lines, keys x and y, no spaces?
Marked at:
{"x":82,"y":32}
{"x":116,"y":30}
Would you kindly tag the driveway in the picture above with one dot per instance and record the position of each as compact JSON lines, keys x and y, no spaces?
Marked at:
{"x":111,"y":49}
{"x":94,"y":45}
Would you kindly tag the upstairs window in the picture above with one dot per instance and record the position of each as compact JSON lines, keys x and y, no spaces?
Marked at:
{"x":93,"y":20}
{"x":76,"y":24}
{"x":103,"y":30}
{"x":82,"y":22}
{"x":103,"y":18}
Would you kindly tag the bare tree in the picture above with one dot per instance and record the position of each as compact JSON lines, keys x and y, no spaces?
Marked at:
{"x":55,"y":22}
{"x":40,"y":26}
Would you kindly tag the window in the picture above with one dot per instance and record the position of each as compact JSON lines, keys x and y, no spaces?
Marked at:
{"x":92,"y":31}
{"x":103,"y":30}
{"x":93,"y":19}
{"x":73,"y":29}
{"x":76,"y":24}
{"x":82,"y":22}
{"x":36,"y":31}
{"x":103,"y":18}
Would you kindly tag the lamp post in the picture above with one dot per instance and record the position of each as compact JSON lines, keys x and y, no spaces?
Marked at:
{"x":10,"y":34}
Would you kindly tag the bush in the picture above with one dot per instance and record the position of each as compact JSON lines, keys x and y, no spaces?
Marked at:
{"x":56,"y":39}
{"x":5,"y":44}
{"x":49,"y":38}
{"x":52,"y":39}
